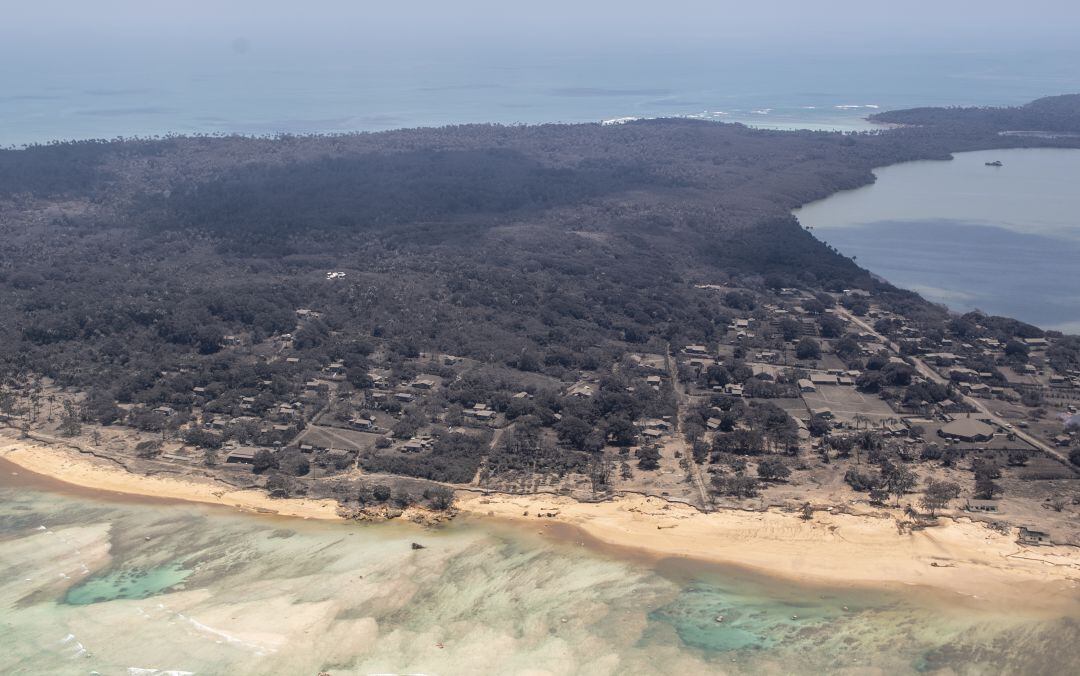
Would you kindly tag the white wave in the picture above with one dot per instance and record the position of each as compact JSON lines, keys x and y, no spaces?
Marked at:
{"x":229,"y":638}
{"x":78,"y":649}
{"x":619,"y":120}
{"x":762,"y":111}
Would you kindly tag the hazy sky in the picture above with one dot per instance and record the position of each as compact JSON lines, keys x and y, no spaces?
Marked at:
{"x":43,"y":26}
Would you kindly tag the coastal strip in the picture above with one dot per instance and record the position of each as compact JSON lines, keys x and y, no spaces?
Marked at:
{"x":833,"y":548}
{"x":961,"y":556}
{"x":83,"y":471}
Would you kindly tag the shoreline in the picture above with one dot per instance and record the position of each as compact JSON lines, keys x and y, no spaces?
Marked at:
{"x":959,"y":556}
{"x":79,"y":470}
{"x":834,"y":549}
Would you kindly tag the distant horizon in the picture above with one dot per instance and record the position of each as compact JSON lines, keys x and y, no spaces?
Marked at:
{"x":100,"y":96}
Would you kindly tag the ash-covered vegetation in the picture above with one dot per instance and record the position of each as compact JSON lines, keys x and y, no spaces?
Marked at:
{"x":1059,"y":114}
{"x":209,"y":288}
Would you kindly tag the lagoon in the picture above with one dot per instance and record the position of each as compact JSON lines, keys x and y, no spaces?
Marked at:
{"x":1004,"y":240}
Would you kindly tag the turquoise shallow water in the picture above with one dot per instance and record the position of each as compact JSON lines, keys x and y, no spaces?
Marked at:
{"x":131,"y":583}
{"x":104,"y":587}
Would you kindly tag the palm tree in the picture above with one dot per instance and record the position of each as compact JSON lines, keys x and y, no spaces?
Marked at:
{"x":860,"y":420}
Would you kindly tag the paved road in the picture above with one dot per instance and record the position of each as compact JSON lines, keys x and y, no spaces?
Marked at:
{"x":924,"y":369}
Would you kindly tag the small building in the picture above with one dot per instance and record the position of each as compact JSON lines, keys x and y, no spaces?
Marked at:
{"x":806,"y":385}
{"x":338,"y":455}
{"x":1029,"y":536}
{"x":696,"y":349}
{"x":822,"y":379}
{"x":580,"y":390}
{"x":244,"y":454}
{"x":894,"y":429}
{"x":962,"y":373}
{"x":404,"y":397}
{"x":967,"y":430}
{"x":656,"y":423}
{"x":942,"y":358}
{"x":981,"y":506}
{"x":424,"y":384}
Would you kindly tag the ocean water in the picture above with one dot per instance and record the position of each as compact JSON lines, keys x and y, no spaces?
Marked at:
{"x":1004,"y":240}
{"x":123,"y":90}
{"x":89,"y":586}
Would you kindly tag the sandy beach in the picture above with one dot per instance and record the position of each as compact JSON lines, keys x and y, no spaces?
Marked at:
{"x":85,"y":471}
{"x":960,"y":556}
